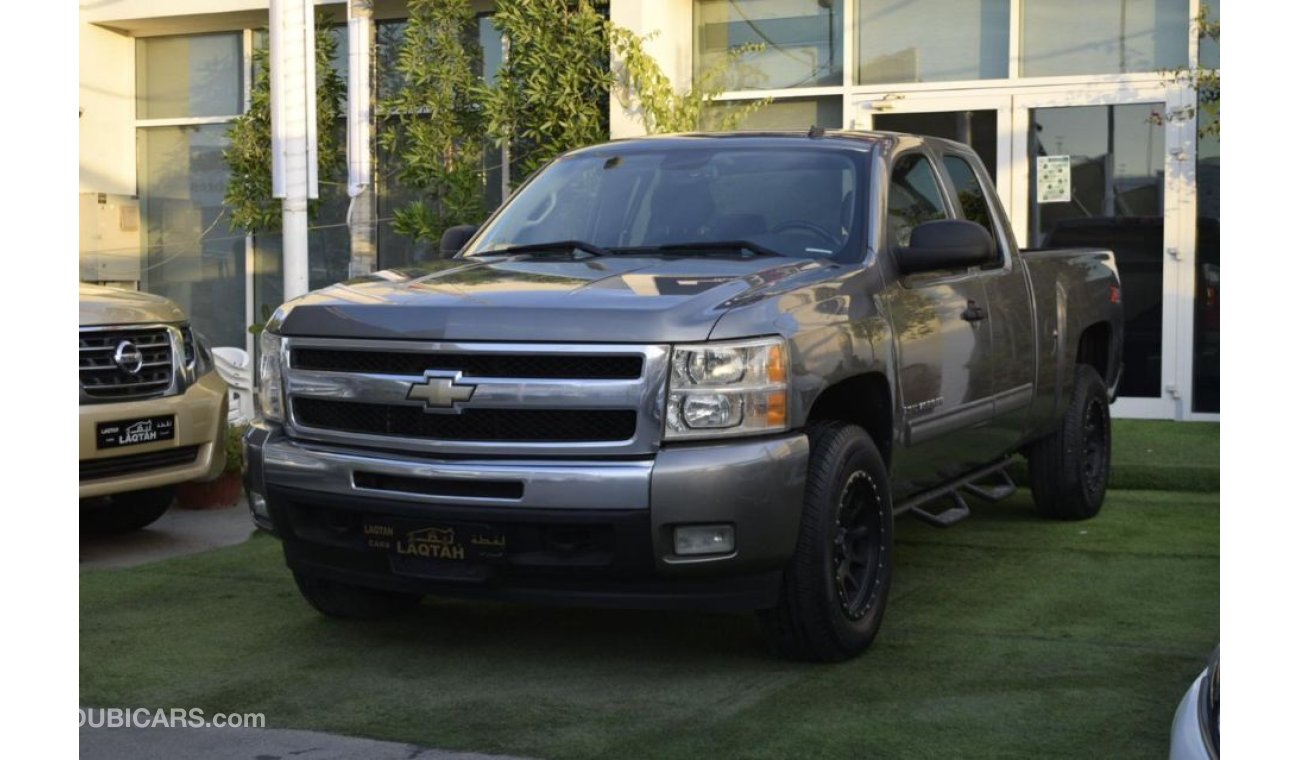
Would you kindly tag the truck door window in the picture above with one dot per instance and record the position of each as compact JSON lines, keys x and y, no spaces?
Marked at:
{"x":970,"y":194}
{"x":914,"y":197}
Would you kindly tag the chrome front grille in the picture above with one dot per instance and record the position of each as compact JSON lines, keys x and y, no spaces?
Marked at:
{"x":148,"y":373}
{"x":510,"y":398}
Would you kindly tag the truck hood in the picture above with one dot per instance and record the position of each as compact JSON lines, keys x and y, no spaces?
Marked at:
{"x":542,"y":297}
{"x":101,"y":306}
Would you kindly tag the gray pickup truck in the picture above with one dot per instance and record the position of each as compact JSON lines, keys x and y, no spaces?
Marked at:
{"x":700,"y":371}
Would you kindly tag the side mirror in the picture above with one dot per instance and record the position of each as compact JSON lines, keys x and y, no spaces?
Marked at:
{"x":947,"y":244}
{"x":455,"y":239}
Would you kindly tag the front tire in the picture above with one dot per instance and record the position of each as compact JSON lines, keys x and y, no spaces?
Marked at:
{"x":833,"y":594}
{"x":343,"y":600}
{"x":125,"y":512}
{"x":1068,"y":469}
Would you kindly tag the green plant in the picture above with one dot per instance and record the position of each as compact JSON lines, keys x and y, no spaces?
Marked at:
{"x":552,"y":90}
{"x":235,"y":448}
{"x":439,"y":122}
{"x":642,"y":87}
{"x":551,"y":95}
{"x":252,"y":206}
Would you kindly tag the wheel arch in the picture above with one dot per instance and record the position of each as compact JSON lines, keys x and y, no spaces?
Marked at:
{"x":864,"y":400}
{"x":1095,"y":350}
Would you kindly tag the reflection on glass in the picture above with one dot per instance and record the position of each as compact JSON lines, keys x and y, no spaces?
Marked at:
{"x":978,"y":129}
{"x":932,"y":40}
{"x":1205,"y":328}
{"x":779,"y":115}
{"x":192,"y":256}
{"x":1115,"y":200}
{"x":191,"y":76}
{"x":970,"y":194}
{"x":1210,"y":48}
{"x":1063,"y":37}
{"x":802,"y":42}
{"x":388,"y":44}
{"x":914,"y":198}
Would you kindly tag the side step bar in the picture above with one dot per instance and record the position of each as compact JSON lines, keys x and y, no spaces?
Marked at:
{"x":951,"y":491}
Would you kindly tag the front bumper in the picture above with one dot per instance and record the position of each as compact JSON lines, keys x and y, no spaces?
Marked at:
{"x":590,"y":532}
{"x":200,"y":414}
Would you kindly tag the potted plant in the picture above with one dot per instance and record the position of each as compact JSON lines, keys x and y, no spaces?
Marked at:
{"x":226,"y":489}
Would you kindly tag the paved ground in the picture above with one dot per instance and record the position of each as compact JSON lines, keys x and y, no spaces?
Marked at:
{"x":248,"y":744}
{"x":177,"y":533}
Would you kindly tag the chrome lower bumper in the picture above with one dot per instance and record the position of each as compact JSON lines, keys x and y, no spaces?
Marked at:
{"x":541,"y":485}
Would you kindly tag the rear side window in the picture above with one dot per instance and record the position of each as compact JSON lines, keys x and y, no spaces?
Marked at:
{"x":970,"y":194}
{"x":914,"y":197}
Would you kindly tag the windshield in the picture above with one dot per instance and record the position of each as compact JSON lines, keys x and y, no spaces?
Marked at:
{"x":796,"y":202}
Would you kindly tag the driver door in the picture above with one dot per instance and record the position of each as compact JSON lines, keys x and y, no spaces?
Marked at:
{"x":942,"y":339}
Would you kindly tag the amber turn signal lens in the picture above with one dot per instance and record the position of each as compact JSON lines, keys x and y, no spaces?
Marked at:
{"x":776,"y":409}
{"x":776,"y":364}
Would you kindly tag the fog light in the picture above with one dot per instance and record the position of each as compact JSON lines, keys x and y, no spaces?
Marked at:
{"x":704,"y":539}
{"x":257,"y":503}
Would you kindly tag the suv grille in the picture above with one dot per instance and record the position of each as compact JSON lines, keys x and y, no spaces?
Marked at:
{"x":102,"y":378}
{"x":533,"y":425}
{"x":549,"y":367}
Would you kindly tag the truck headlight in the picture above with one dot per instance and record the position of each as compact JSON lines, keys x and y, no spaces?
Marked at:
{"x":270,"y":385}
{"x":727,"y":389}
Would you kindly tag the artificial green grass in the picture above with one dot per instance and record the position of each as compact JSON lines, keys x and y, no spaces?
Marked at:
{"x":1159,"y":455}
{"x":1006,"y":636}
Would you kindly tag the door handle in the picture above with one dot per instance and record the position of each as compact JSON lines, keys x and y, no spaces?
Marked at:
{"x":974,"y":312}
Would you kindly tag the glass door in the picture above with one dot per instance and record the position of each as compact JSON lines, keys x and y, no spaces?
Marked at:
{"x":1097,"y":174}
{"x":1096,"y":180}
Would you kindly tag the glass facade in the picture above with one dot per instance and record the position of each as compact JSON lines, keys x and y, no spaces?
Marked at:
{"x":801,"y":42}
{"x":189,"y":252}
{"x":1063,"y":37}
{"x":932,"y":40}
{"x":1209,"y":48}
{"x":780,"y":115}
{"x":187,"y":77}
{"x":191,"y":255}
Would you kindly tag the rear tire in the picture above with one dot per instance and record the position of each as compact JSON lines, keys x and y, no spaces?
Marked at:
{"x":1068,"y":470}
{"x":125,"y":512}
{"x":835,"y":586}
{"x":343,"y":600}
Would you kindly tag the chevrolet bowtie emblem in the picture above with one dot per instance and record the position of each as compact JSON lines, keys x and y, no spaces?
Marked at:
{"x":440,"y":392}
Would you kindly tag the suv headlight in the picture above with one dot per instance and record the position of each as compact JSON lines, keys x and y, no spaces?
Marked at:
{"x":727,"y":389}
{"x":197,"y":353}
{"x":270,"y":385}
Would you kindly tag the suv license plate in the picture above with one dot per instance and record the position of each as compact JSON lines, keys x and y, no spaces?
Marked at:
{"x":112,"y":435}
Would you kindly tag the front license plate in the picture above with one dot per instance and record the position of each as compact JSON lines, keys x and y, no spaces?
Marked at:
{"x":111,"y":435}
{"x":457,"y":542}
{"x":461,"y":552}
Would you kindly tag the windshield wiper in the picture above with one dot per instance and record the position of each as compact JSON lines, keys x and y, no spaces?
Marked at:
{"x":557,"y":245}
{"x":705,"y":247}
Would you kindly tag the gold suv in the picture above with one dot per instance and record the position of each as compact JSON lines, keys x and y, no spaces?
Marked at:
{"x":153,"y":411}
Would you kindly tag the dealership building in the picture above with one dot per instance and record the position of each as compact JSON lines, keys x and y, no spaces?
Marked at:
{"x":1072,"y":106}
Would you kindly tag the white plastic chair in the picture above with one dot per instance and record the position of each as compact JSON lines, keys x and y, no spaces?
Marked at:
{"x":234,"y":367}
